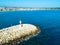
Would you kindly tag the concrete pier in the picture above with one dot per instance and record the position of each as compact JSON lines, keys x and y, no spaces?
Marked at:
{"x":15,"y":34}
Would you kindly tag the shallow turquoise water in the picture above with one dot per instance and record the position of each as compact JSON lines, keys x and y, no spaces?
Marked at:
{"x":47,"y":20}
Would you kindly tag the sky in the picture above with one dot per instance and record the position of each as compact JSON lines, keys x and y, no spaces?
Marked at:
{"x":30,"y":3}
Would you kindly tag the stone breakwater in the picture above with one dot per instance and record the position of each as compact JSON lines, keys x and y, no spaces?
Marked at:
{"x":15,"y":34}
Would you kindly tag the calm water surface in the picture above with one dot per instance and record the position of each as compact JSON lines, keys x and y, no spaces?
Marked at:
{"x":47,"y":20}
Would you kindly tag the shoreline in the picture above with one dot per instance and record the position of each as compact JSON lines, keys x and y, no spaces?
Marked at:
{"x":26,"y":9}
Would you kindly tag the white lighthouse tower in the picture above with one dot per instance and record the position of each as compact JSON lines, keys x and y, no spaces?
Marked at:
{"x":21,"y":25}
{"x":20,"y":22}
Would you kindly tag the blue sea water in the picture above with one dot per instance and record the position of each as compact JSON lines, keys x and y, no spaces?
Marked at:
{"x":47,"y":20}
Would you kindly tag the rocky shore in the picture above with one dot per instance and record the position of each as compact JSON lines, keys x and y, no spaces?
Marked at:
{"x":16,"y":34}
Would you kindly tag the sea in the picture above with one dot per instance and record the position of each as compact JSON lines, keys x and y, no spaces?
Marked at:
{"x":47,"y":20}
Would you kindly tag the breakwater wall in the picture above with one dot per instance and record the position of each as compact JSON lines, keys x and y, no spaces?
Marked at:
{"x":15,"y":34}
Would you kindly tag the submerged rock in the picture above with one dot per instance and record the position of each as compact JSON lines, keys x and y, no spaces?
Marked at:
{"x":18,"y":33}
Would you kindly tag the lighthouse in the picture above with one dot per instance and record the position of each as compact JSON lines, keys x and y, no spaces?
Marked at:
{"x":20,"y":22}
{"x":21,"y":25}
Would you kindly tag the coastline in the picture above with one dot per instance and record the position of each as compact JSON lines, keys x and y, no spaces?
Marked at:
{"x":25,"y":9}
